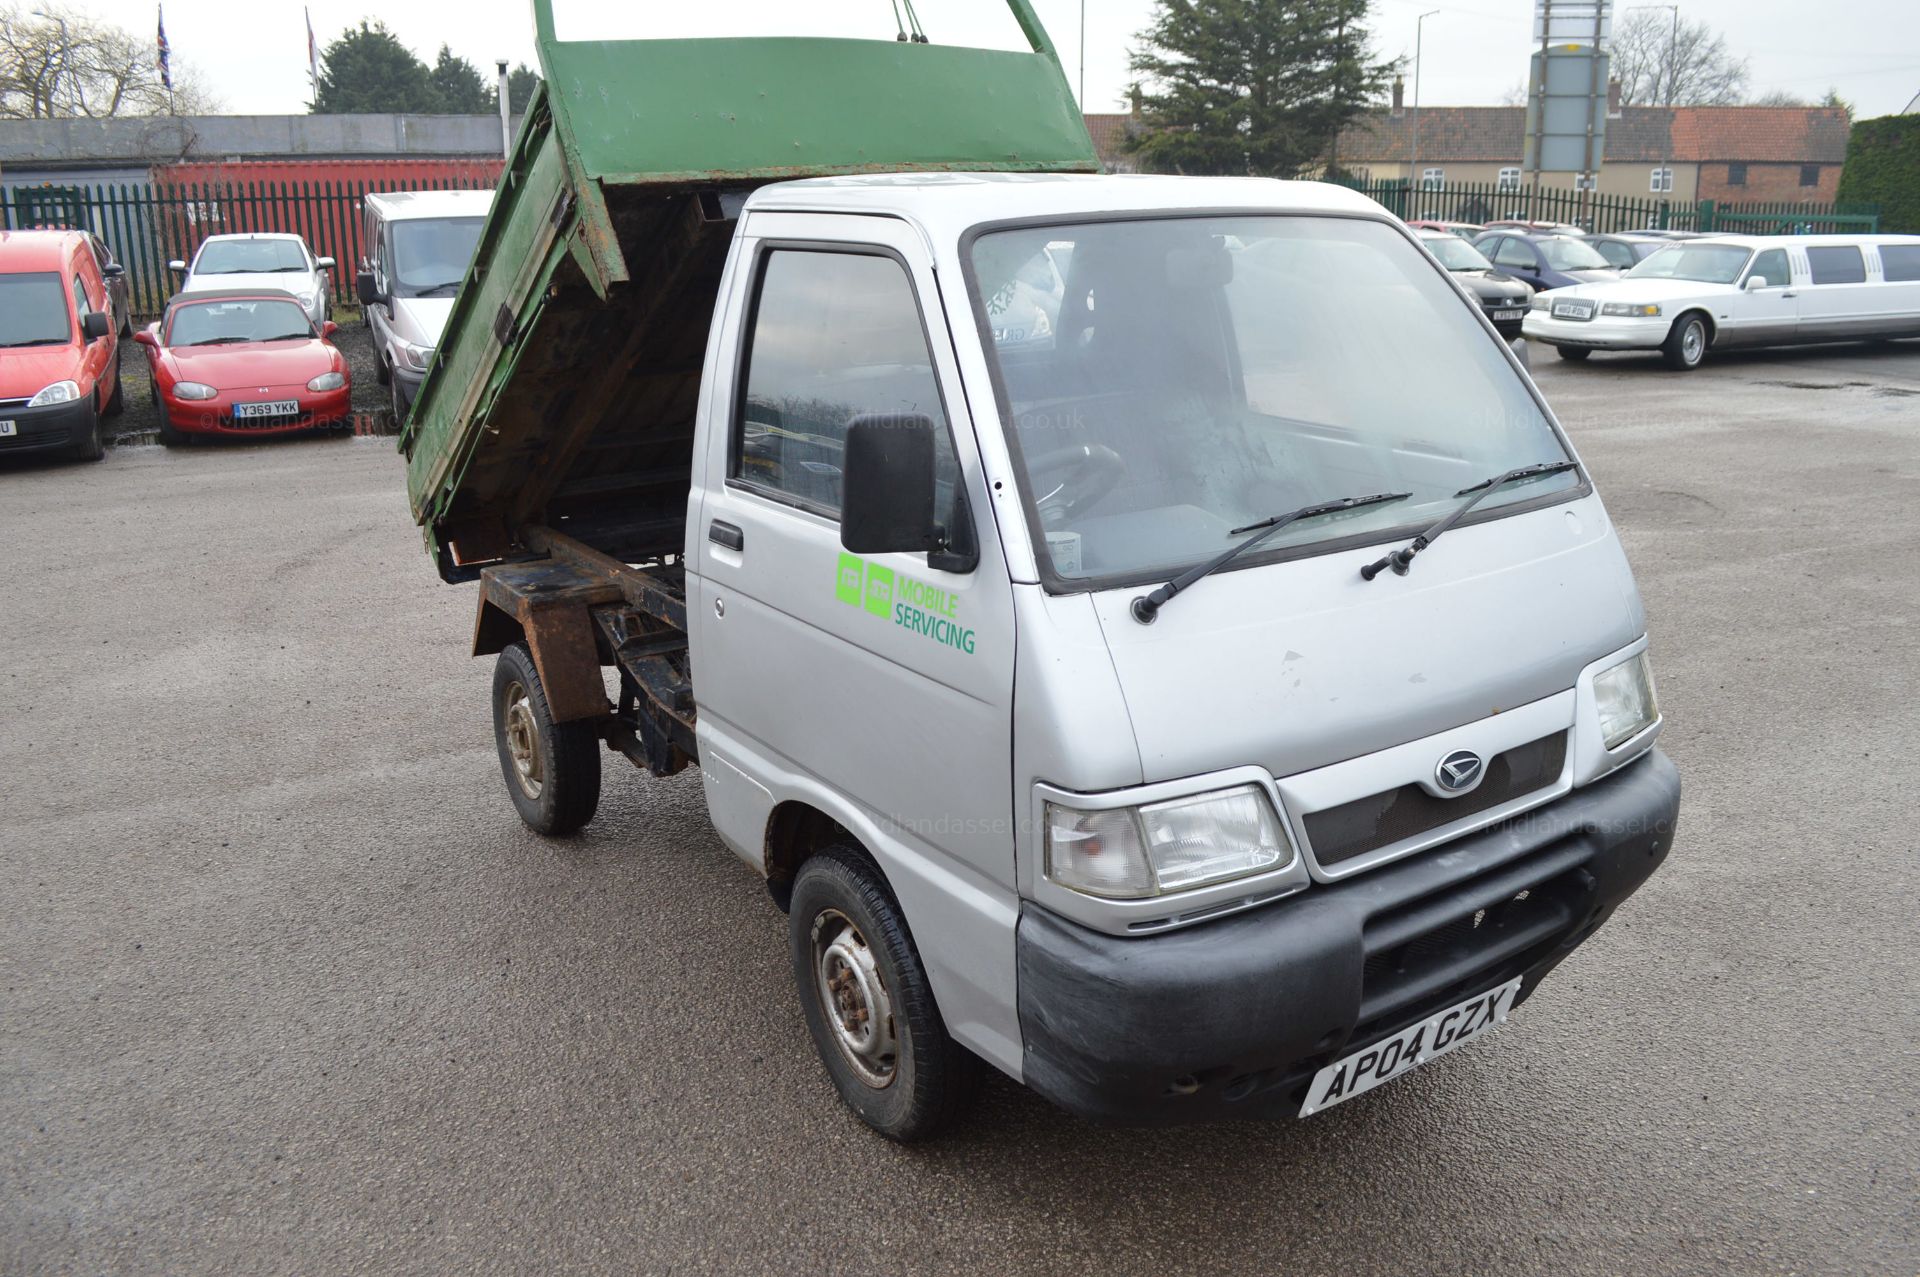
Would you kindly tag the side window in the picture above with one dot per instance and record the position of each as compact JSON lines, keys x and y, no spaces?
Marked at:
{"x":1900,"y":263}
{"x":835,"y":335}
{"x":80,"y":303}
{"x":1616,"y":252}
{"x":1514,"y":252}
{"x":1837,"y":265}
{"x":1773,"y":265}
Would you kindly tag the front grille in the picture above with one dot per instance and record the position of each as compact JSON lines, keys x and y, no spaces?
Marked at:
{"x":1380,"y":820}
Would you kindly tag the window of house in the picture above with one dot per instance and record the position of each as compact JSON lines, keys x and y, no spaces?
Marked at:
{"x":1509,"y":179}
{"x":1737,"y":174}
{"x":1809,"y":175}
{"x":835,"y":336}
{"x":1584,"y":182}
{"x":1772,"y":265}
{"x":1433,"y":179}
{"x":1900,"y":263}
{"x":1661,"y":181}
{"x":1841,"y":264}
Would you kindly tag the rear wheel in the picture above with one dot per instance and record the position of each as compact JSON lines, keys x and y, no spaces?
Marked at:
{"x":1686,"y":344}
{"x":552,"y":769}
{"x":867,"y":1001}
{"x":1572,"y":354}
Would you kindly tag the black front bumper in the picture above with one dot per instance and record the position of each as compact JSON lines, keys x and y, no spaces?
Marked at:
{"x":1233,"y":1018}
{"x":60,"y":426}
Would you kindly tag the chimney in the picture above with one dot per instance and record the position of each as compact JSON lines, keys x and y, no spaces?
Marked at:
{"x":1613,"y":99}
{"x":1399,"y":95}
{"x":1133,"y":101}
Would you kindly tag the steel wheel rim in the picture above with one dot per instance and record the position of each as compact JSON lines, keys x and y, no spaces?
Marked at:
{"x":523,"y":741}
{"x":1692,"y":342}
{"x":854,"y":999}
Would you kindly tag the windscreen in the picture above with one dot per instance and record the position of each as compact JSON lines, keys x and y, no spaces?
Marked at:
{"x":1572,"y":254}
{"x":250,"y":257}
{"x":232,"y":322}
{"x":1704,"y":263}
{"x":33,"y":310}
{"x":430,"y":255}
{"x":1169,"y":380}
{"x":1455,"y":253}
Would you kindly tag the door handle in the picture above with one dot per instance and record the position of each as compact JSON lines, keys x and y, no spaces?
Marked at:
{"x":1789,"y":294}
{"x":722,"y":533}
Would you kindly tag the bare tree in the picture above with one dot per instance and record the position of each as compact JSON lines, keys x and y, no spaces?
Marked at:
{"x":61,"y":63}
{"x":1514,"y":94}
{"x":1657,"y":68}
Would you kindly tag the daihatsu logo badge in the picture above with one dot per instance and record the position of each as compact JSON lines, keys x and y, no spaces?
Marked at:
{"x":1459,"y":771}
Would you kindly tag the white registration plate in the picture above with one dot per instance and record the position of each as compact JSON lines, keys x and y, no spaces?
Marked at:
{"x":1408,"y":1049}
{"x":278,"y":408}
{"x":8,"y":428}
{"x":1573,"y":310}
{"x":1509,"y":314}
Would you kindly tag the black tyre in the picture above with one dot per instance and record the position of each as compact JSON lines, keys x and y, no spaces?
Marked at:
{"x":868,"y":1004}
{"x":552,"y":769}
{"x":399,"y":409}
{"x":169,"y":437}
{"x":385,"y":374}
{"x":92,"y":445}
{"x":1686,"y":344}
{"x":1572,"y":354}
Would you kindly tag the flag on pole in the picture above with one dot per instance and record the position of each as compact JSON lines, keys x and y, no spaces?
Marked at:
{"x":313,"y":54}
{"x":166,"y":68}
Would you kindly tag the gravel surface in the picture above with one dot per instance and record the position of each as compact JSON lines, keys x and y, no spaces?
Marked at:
{"x":140,"y":423}
{"x":288,"y":988}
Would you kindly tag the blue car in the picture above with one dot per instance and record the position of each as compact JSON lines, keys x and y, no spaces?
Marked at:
{"x":1545,"y":261}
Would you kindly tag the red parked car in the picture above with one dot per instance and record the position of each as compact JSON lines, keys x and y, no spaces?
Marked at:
{"x":59,"y":351}
{"x":243,"y":363}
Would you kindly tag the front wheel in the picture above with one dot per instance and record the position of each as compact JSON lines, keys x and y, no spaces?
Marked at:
{"x":1572,"y":354}
{"x":868,"y":1004}
{"x":92,"y":445}
{"x":1686,"y":345}
{"x":552,"y":769}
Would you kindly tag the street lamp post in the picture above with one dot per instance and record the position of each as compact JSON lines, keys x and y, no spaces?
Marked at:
{"x":1413,"y":125}
{"x":1673,"y":75}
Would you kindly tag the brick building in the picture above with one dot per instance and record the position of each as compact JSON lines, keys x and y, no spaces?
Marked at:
{"x":1728,"y":153}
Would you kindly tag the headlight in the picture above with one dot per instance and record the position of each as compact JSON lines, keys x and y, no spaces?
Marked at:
{"x":1540,"y":301}
{"x":1629,"y":308}
{"x":1625,"y":697}
{"x":415,"y":357}
{"x":1135,"y":852}
{"x":193,"y":390}
{"x":58,"y":392}
{"x":328,"y":381}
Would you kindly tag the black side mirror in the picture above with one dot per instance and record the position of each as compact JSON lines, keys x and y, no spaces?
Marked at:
{"x":113,"y":271}
{"x":95,"y":325}
{"x":368,"y":290}
{"x":887,"y":494}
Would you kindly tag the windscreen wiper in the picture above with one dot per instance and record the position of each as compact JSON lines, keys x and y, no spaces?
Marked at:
{"x":1401,"y":558}
{"x":1147,"y":606}
{"x":431,"y":289}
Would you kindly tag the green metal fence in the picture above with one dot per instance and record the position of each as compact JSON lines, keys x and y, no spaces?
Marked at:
{"x":1607,"y":213}
{"x":149,"y":225}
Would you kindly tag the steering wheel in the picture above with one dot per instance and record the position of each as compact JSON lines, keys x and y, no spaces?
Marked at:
{"x":1068,"y":481}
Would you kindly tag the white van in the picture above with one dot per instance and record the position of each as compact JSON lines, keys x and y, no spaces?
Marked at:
{"x":1740,"y":290}
{"x":419,"y":244}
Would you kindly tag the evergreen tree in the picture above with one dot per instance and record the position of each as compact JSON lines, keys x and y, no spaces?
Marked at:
{"x":459,"y":86}
{"x":369,"y":70}
{"x":1251,"y":86}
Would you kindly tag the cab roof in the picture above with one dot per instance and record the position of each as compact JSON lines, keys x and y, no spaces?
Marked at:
{"x":402,"y":206}
{"x":947,"y":204}
{"x":38,"y":250}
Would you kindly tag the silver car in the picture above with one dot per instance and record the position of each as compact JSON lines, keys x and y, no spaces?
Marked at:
{"x":281,"y":262}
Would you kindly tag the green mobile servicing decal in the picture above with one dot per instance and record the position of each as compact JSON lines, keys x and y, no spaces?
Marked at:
{"x":913,"y":604}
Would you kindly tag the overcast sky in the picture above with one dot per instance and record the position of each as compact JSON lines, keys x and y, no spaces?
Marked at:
{"x":254,"y":54}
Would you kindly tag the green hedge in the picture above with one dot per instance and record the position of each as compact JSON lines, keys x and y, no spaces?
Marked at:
{"x":1883,"y":167}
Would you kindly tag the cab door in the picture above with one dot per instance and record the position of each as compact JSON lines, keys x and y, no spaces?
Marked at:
{"x":879,"y":686}
{"x":1757,"y":316}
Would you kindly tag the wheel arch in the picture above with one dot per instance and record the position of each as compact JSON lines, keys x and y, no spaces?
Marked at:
{"x":796,"y":831}
{"x":1706,"y":315}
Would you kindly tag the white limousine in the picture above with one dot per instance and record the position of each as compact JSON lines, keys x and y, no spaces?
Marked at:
{"x":1740,"y":290}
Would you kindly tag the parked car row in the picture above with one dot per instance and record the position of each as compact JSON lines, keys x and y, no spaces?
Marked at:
{"x":1695,"y":295}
